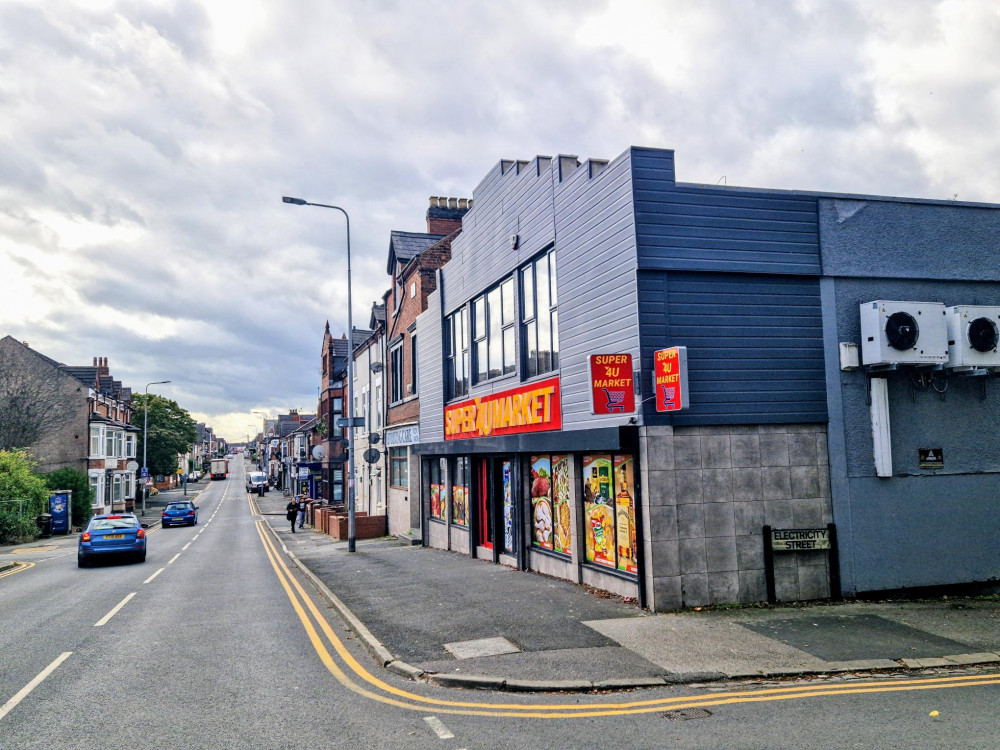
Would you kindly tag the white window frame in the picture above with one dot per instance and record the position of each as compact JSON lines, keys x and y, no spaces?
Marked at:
{"x":96,"y":434}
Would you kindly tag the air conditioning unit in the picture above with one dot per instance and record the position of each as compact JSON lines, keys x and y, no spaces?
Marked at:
{"x":973,"y":336}
{"x":904,"y":333}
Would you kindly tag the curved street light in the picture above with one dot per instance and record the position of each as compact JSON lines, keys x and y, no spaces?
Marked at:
{"x":350,"y":368}
{"x":145,"y":435}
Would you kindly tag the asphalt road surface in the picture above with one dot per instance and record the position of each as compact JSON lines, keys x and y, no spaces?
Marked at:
{"x":214,"y":642}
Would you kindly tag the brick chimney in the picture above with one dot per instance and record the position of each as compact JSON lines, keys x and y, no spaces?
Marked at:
{"x":444,"y":215}
{"x":102,"y":366}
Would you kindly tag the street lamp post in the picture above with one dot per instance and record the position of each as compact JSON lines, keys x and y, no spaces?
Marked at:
{"x":350,"y":370}
{"x":145,"y":441}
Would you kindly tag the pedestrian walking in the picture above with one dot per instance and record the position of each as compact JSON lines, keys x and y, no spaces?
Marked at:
{"x":291,"y":511}
{"x":303,"y":504}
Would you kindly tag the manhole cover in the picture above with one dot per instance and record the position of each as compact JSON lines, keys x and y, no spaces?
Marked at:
{"x":683,"y":714}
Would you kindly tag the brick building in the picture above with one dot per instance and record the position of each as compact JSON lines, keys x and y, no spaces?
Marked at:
{"x":414,"y":259}
{"x":332,"y":483}
{"x":75,"y":417}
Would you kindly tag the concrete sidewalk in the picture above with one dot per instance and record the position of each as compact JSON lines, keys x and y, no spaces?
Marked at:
{"x":456,"y":621}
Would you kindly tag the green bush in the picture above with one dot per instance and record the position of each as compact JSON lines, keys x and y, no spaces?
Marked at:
{"x":16,"y":529}
{"x":18,"y":483}
{"x":83,"y":493}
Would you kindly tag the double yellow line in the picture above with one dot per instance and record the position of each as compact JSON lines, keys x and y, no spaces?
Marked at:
{"x":18,"y":567}
{"x":372,"y":687}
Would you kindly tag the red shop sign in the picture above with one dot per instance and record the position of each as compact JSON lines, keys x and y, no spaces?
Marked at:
{"x":670,"y":378}
{"x":612,"y":390}
{"x":531,"y":408}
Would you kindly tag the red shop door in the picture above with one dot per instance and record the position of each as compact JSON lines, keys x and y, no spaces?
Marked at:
{"x":485,"y":515}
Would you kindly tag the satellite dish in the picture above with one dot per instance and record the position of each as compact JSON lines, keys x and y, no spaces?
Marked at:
{"x":983,"y":335}
{"x":376,"y":366}
{"x":318,"y":452}
{"x":901,"y":331}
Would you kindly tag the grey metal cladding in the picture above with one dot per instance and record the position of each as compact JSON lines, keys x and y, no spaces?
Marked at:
{"x":755,"y":345}
{"x":682,"y":226}
{"x":430,"y":370}
{"x":519,"y":202}
{"x":897,"y":239}
{"x":595,"y":252}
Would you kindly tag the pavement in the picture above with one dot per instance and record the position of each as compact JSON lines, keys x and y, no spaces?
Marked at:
{"x":448,"y":619}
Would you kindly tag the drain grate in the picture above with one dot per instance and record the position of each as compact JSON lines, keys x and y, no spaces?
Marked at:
{"x":684,"y":714}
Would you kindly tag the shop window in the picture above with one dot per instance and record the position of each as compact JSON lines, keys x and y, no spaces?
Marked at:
{"x":550,"y":499}
{"x":493,"y":332}
{"x":460,"y":492}
{"x":338,"y":485}
{"x":396,"y":373}
{"x":609,"y":511}
{"x":457,"y":357}
{"x":539,"y":316}
{"x":439,"y":488}
{"x":509,"y":536}
{"x":398,"y":468}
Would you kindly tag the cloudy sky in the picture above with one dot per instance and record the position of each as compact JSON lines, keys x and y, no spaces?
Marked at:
{"x":145,"y":146}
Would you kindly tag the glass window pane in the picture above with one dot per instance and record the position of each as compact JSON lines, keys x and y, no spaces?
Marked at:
{"x":555,"y":339}
{"x":481,"y":361}
{"x":509,"y":354}
{"x":552,"y":276}
{"x":493,"y":318}
{"x":479,"y":328}
{"x":507,"y":291}
{"x":464,"y":329}
{"x":544,"y":342}
{"x":531,"y":348}
{"x":527,"y":294}
{"x":542,"y":284}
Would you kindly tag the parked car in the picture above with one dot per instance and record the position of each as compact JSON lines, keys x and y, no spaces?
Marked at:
{"x":179,"y":513}
{"x":194,"y":476}
{"x":115,"y":535}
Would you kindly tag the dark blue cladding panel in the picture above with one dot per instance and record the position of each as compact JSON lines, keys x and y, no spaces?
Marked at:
{"x":712,"y":228}
{"x":755,"y":345}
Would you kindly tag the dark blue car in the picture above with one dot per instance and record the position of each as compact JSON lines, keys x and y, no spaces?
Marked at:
{"x":180,"y":513}
{"x":114,"y":535}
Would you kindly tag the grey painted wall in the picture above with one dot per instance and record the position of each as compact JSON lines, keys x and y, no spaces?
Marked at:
{"x":918,"y":527}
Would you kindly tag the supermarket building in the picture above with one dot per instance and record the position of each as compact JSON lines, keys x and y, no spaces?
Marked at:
{"x":542,"y":443}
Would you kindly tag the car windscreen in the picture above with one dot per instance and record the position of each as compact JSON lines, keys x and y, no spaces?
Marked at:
{"x":179,"y":506}
{"x":103,"y":524}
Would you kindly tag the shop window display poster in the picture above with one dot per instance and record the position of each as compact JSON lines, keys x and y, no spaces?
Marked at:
{"x":508,"y":509}
{"x":599,"y":510}
{"x":459,"y":505}
{"x":625,"y":513}
{"x":541,"y":501}
{"x":562,"y":528}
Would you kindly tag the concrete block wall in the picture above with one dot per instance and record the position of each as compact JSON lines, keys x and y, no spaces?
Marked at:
{"x":708,"y":492}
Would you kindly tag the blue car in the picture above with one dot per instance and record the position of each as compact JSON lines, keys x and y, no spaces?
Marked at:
{"x":115,"y":535}
{"x":180,"y":513}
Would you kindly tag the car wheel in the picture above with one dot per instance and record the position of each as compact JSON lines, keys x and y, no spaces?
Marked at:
{"x":81,"y":562}
{"x":141,"y":557}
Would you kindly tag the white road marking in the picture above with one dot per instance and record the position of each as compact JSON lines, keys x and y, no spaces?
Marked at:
{"x":186,"y":546}
{"x":154,"y":575}
{"x":173,"y":558}
{"x":23,"y":692}
{"x":113,"y":612}
{"x":439,"y":728}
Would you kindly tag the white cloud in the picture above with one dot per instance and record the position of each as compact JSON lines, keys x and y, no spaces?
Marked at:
{"x":145,"y":146}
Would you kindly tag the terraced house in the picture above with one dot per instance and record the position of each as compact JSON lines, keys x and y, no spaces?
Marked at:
{"x":71,"y":416}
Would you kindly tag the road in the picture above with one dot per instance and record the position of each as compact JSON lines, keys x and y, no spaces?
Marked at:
{"x":214,"y":642}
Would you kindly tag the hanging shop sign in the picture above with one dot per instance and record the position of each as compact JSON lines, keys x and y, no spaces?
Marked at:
{"x":612,"y":389}
{"x":670,"y":378}
{"x":531,"y":408}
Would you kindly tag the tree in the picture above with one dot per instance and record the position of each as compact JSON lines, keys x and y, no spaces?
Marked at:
{"x":171,"y":431}
{"x":83,"y":493}
{"x":30,"y":405}
{"x":23,"y":496}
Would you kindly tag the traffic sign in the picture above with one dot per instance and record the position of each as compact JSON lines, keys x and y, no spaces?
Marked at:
{"x":372,"y":455}
{"x":145,"y":472}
